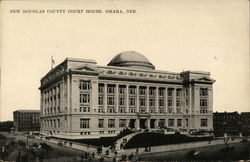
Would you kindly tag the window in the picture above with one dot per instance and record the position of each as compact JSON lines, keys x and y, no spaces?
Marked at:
{"x":186,"y":122}
{"x":161,"y":92}
{"x":142,"y":91}
{"x":186,"y":92}
{"x":101,"y":123}
{"x":142,"y":110}
{"x":178,"y":103}
{"x":101,"y":110}
{"x":121,"y":110}
{"x":203,"y":92}
{"x":179,"y":122}
{"x":170,"y":103}
{"x":121,"y":90}
{"x":161,"y":123}
{"x":111,"y":100}
{"x":161,"y":111}
{"x":101,"y":88}
{"x":131,"y":101}
{"x":203,"y":102}
{"x":121,"y":101}
{"x":132,"y":90}
{"x":132,"y":110}
{"x":142,"y":101}
{"x":58,"y":122}
{"x":151,"y":102}
{"x":84,"y":109}
{"x":170,"y":110}
{"x":100,"y":100}
{"x":203,"y":122}
{"x":111,"y":90}
{"x":170,"y":122}
{"x":111,"y":123}
{"x":122,"y":123}
{"x":84,"y":98}
{"x":54,"y":123}
{"x":84,"y":123}
{"x":84,"y":85}
{"x":178,"y":110}
{"x":151,"y":91}
{"x":111,"y":110}
{"x":178,"y":93}
{"x":161,"y":102}
{"x":170,"y":93}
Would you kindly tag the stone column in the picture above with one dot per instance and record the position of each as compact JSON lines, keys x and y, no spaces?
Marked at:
{"x":174,"y":100}
{"x":147,"y":99}
{"x":137,"y":124}
{"x":127,"y":123}
{"x":137,"y":99}
{"x":148,"y":123}
{"x":116,"y":98}
{"x":166,"y":100}
{"x":126,"y":99}
{"x":166,"y":123}
{"x":157,"y":99}
{"x":156,"y":123}
{"x":105,"y":98}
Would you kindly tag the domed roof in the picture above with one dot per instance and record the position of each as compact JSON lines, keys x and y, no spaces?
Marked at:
{"x":131,"y":59}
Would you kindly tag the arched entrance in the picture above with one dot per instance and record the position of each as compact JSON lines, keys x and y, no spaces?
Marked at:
{"x":143,"y":123}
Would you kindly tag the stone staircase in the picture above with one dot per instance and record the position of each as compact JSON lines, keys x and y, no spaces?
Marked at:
{"x":124,"y":140}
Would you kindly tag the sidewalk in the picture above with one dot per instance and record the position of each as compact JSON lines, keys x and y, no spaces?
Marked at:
{"x":175,"y":147}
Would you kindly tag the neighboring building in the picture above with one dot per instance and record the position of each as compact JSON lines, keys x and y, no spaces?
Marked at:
{"x":226,"y":122}
{"x":232,"y":123}
{"x":80,"y":99}
{"x":245,"y":123}
{"x":26,"y":120}
{"x":6,"y":126}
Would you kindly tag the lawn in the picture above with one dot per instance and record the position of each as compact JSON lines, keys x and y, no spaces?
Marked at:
{"x":154,"y":139}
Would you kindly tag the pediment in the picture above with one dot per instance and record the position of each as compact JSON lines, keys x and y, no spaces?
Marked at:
{"x":87,"y":68}
{"x":204,"y":79}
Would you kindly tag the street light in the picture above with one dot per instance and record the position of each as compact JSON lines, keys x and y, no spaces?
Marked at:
{"x":240,"y":125}
{"x":224,"y":128}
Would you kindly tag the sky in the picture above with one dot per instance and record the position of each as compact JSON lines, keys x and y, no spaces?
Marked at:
{"x":174,"y":35}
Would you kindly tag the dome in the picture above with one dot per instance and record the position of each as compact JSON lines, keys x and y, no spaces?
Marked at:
{"x":131,"y":59}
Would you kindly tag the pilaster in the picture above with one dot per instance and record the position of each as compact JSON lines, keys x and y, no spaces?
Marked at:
{"x":137,"y":99}
{"x":166,"y":100}
{"x":147,"y":99}
{"x":156,"y":99}
{"x":116,"y":98}
{"x":126,"y":99}
{"x":174,"y":100}
{"x":105,"y":98}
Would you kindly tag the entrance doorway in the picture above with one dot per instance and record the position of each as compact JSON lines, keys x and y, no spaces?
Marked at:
{"x":132,"y":123}
{"x":143,"y":123}
{"x":152,"y":123}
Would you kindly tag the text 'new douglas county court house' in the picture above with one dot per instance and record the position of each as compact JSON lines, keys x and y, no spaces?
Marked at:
{"x":80,"y":99}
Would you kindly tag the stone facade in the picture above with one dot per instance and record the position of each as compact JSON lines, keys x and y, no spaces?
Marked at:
{"x":80,"y":99}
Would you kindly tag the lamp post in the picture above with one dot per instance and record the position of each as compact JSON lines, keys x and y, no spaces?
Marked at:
{"x":240,"y":130}
{"x":224,"y":128}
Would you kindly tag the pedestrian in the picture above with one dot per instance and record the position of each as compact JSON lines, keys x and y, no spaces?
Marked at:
{"x":93,"y":155}
{"x":137,"y":150}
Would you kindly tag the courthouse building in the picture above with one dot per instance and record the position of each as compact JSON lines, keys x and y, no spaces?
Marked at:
{"x":80,"y":99}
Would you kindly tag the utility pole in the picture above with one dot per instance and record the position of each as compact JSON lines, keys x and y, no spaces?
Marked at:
{"x":27,"y":148}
